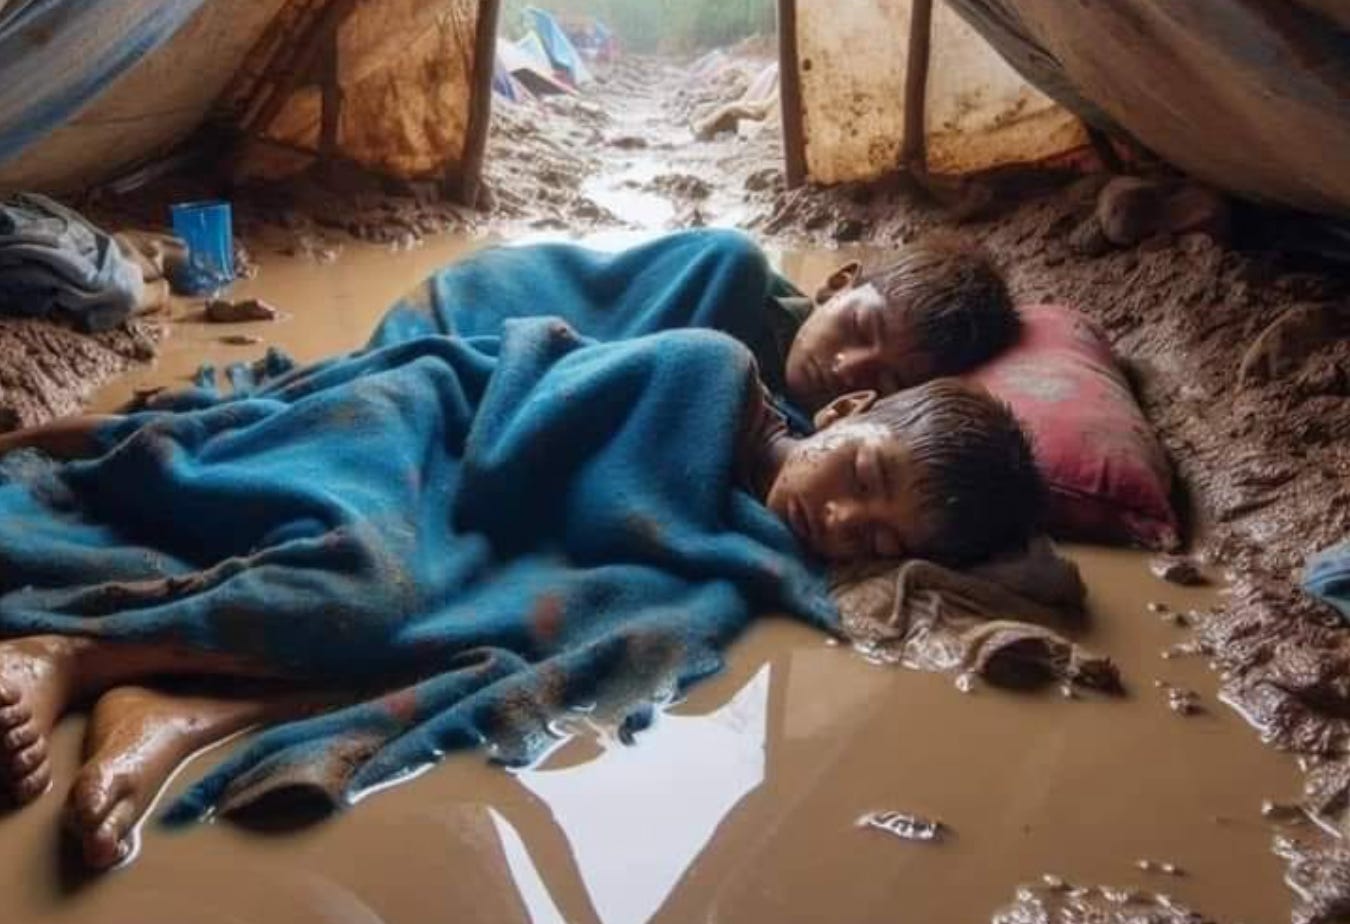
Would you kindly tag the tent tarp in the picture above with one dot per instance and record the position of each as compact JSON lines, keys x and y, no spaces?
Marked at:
{"x":1252,"y":96}
{"x":57,"y":55}
{"x":980,"y":113}
{"x":405,"y":72}
{"x":559,"y":47}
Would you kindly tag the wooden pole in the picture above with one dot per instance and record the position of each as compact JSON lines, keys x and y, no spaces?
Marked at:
{"x":470,"y":167}
{"x":331,"y":84}
{"x":790,"y":95}
{"x":304,"y":55}
{"x":914,"y":149}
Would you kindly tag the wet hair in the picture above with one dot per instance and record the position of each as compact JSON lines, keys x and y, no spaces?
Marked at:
{"x":975,"y":473}
{"x":953,"y":296}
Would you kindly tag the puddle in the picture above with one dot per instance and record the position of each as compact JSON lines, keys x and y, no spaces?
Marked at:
{"x":742,"y":802}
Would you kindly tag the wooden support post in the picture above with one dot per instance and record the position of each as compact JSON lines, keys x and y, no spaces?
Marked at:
{"x":330,"y":82}
{"x":470,"y":168}
{"x":790,"y":95}
{"x":302,"y":63}
{"x":914,"y":149}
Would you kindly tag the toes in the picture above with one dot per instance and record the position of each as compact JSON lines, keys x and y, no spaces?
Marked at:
{"x":24,"y":762}
{"x":9,"y":696}
{"x":92,"y":798}
{"x":108,"y":843}
{"x":20,"y":738}
{"x":36,"y":783}
{"x":15,"y":715}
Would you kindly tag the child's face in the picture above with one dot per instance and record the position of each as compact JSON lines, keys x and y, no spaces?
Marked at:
{"x":848,"y":492}
{"x":853,"y":341}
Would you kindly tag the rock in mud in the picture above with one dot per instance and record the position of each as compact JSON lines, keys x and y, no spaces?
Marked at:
{"x":1042,"y":904}
{"x":1177,"y":571}
{"x":241,"y":340}
{"x":225,"y":311}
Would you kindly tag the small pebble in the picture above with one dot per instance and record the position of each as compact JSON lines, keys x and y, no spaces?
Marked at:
{"x":1054,"y":882}
{"x":1158,"y":609}
{"x":241,"y":340}
{"x":1144,"y":865}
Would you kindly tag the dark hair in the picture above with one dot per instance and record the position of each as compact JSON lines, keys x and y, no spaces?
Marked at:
{"x":954,"y":297}
{"x":975,"y":468}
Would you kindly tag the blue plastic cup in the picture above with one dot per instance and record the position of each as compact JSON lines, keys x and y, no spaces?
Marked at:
{"x":207,"y":228}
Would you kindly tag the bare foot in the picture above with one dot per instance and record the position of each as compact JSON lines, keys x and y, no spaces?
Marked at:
{"x":37,"y":684}
{"x":135,"y":740}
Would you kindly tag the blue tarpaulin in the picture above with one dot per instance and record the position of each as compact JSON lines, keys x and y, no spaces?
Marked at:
{"x":57,"y":55}
{"x":561,"y":52}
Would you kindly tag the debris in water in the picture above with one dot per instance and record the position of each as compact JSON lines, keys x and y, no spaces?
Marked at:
{"x":1155,"y":866}
{"x":241,"y":340}
{"x":1177,"y":571}
{"x":904,"y":826}
{"x":1181,"y":700}
{"x":1101,"y":905}
{"x":1282,"y":811}
{"x":224,"y":311}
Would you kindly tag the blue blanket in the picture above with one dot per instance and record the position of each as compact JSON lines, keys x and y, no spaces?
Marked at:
{"x":1327,"y":577}
{"x":496,"y":528}
{"x":712,"y":279}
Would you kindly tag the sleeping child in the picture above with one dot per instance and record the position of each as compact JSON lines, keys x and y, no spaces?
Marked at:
{"x":939,"y":308}
{"x":442,"y":543}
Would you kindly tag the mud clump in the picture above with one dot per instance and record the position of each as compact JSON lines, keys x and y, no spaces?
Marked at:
{"x":225,"y":311}
{"x":1319,"y":874}
{"x":49,"y":371}
{"x":1057,"y":902}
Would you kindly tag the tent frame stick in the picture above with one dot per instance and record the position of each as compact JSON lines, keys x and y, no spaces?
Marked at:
{"x":914,"y":148}
{"x":331,"y":84}
{"x":469,"y":184}
{"x":790,"y":96}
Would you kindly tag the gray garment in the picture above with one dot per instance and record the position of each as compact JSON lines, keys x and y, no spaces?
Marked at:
{"x":53,"y":262}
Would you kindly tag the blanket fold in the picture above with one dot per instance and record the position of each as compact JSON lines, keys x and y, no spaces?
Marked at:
{"x":1003,"y":621}
{"x":498,"y":528}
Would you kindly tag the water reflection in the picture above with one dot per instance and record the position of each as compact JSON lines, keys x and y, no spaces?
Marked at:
{"x":636,"y":818}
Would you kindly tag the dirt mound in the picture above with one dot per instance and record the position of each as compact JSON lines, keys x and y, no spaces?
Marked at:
{"x":49,"y":371}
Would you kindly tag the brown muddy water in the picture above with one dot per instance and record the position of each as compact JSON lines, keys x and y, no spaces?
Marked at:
{"x":741,"y":804}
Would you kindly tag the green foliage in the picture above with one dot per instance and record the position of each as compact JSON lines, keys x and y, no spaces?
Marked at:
{"x":671,"y":26}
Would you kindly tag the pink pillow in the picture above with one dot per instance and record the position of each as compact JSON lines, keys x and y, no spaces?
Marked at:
{"x":1108,"y":476}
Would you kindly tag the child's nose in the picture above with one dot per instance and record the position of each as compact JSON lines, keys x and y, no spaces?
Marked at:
{"x":854,"y":367}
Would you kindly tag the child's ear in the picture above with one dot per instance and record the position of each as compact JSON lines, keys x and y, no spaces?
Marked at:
{"x":843,"y":407}
{"x":845,"y":277}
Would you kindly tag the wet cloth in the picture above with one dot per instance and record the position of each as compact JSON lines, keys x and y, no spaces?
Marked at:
{"x":705,"y":278}
{"x":1327,"y":577}
{"x":499,"y":527}
{"x":1001,"y":620}
{"x":55,"y":262}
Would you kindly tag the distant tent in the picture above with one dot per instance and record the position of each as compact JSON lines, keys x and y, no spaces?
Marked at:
{"x":528,"y":63}
{"x":558,"y":47}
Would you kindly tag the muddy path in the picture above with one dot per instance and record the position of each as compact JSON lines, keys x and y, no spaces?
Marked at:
{"x":634,"y":151}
